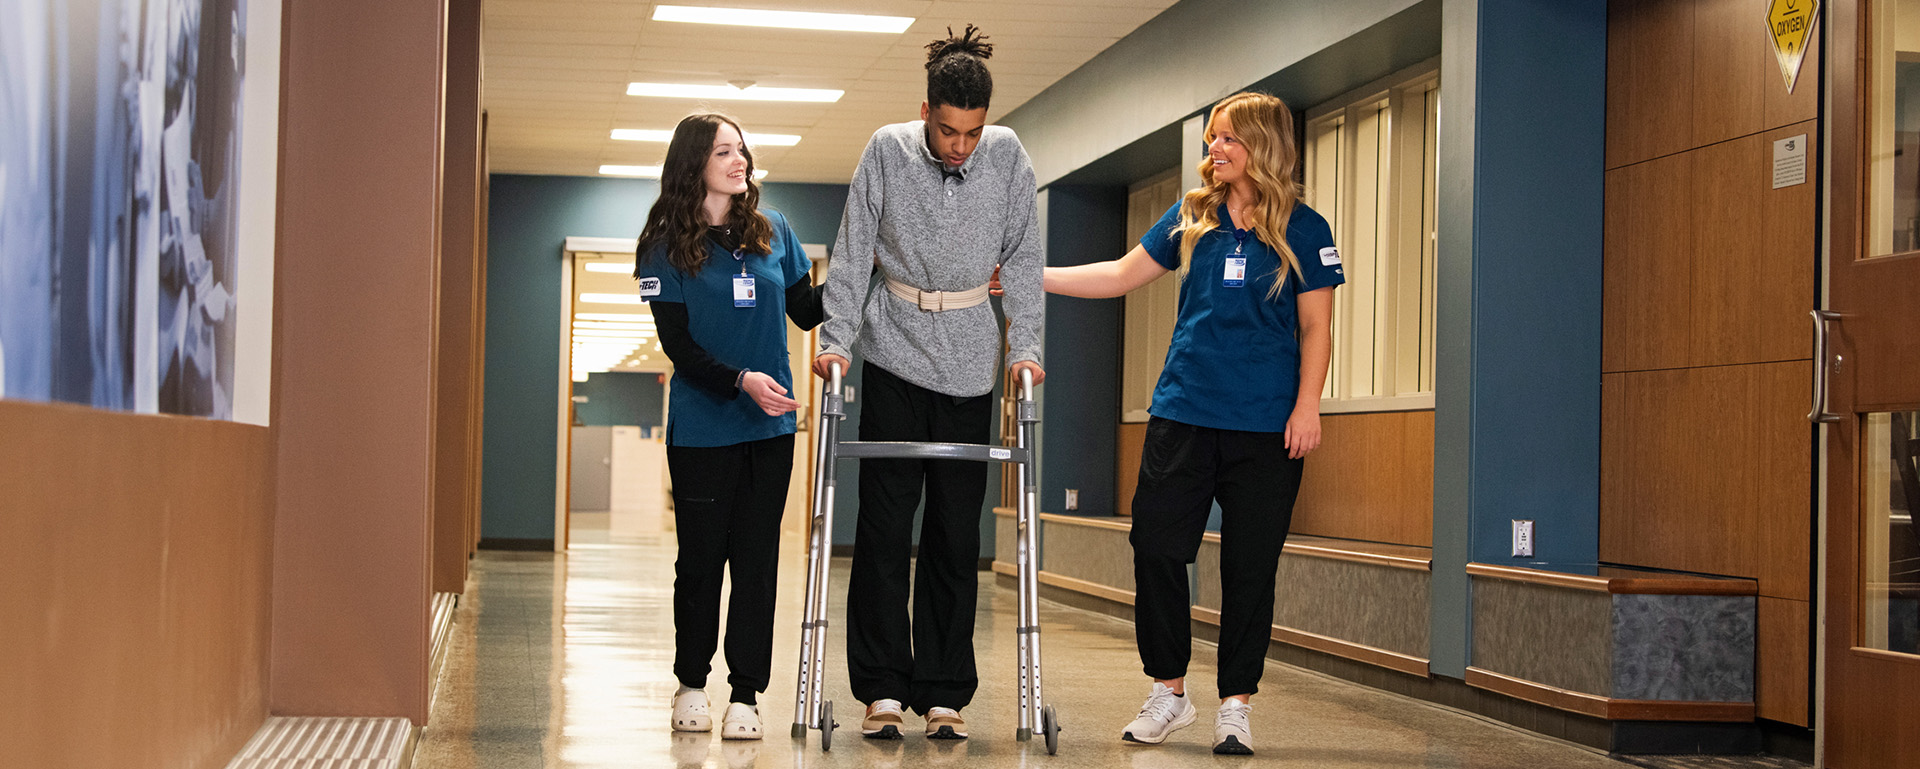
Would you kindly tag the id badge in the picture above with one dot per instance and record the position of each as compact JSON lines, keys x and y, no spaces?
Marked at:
{"x":1235,"y":274}
{"x":743,"y":290}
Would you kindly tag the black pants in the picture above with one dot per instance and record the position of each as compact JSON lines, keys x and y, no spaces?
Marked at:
{"x":925,"y":661}
{"x":727,"y":502}
{"x":1183,"y":469}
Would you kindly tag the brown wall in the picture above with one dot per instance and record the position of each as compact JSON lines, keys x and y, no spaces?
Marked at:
{"x":457,"y":406}
{"x":354,"y":405}
{"x":134,"y":617}
{"x":1706,"y":456}
{"x":1371,"y":479}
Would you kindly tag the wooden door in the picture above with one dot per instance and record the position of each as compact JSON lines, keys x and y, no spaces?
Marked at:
{"x":1871,"y":369}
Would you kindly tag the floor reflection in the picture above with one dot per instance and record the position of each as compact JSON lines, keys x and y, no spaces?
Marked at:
{"x":565,"y":661}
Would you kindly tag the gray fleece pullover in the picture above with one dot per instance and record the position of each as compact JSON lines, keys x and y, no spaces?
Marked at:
{"x":940,"y":231}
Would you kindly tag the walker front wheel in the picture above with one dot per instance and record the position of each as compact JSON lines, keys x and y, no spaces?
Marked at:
{"x":1050,"y":726}
{"x":826,"y":726}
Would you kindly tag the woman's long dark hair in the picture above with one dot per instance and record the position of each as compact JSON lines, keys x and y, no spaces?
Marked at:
{"x":677,"y":219}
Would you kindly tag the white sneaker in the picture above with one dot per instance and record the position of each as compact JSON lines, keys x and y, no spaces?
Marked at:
{"x":690,"y":711}
{"x":742,"y":722}
{"x":1163,"y":713}
{"x":1232,"y":736}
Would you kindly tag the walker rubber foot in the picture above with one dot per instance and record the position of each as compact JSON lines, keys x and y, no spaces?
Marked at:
{"x":799,"y":731}
{"x":1023,"y":734}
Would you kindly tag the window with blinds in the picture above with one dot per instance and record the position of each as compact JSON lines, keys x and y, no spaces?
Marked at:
{"x":1369,"y":162}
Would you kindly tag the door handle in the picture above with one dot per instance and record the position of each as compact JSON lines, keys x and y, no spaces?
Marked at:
{"x":1819,"y":413}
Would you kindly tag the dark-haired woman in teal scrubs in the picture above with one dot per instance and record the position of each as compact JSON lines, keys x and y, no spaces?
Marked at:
{"x":723,"y":278}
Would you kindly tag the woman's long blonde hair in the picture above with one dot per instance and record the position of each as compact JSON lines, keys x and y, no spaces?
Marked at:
{"x":1264,"y":125}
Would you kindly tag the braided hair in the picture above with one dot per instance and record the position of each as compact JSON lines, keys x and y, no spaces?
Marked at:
{"x":957,"y":70}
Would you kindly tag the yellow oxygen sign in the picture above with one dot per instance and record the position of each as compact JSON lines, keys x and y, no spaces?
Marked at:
{"x":1790,"y":25}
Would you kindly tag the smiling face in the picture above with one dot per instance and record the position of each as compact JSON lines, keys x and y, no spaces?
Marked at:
{"x":727,"y":165}
{"x":1226,"y":152}
{"x":952,"y":133}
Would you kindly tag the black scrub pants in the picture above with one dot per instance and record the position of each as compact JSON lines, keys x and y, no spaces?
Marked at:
{"x":727,"y":502}
{"x":926,"y":661}
{"x":1183,"y":469}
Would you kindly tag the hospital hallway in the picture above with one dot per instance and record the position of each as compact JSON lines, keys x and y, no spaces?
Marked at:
{"x":565,"y":661}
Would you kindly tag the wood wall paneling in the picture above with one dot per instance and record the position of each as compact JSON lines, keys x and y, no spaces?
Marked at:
{"x":1753,"y":254}
{"x":1784,"y":655}
{"x":1648,"y":291}
{"x":1707,"y":470}
{"x":1650,"y":46}
{"x":1371,"y":479}
{"x":1132,"y":436}
{"x":1731,"y":58}
{"x":135,"y":614}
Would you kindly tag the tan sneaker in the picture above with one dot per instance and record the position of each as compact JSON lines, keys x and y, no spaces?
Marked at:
{"x":945,"y":724}
{"x":884,"y":721}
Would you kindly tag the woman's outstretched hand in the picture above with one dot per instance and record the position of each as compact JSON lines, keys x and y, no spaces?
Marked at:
{"x":767,"y":394}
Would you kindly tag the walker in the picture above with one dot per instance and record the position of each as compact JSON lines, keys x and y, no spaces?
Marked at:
{"x":811,"y":709}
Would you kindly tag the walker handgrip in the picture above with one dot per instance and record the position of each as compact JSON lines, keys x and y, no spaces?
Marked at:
{"x":1026,"y":384}
{"x":833,"y":378}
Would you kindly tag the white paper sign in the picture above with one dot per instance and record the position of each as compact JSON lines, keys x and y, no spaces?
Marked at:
{"x":1790,"y":161}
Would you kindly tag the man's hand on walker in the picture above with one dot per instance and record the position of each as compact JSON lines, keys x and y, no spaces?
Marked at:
{"x":1039,"y":375}
{"x":823,"y":361}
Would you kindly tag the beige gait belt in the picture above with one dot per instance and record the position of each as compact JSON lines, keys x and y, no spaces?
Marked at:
{"x":937,"y":301}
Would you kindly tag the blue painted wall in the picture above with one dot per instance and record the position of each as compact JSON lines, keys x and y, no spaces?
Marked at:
{"x":527,"y":226}
{"x":1517,"y":397}
{"x":1081,"y":396}
{"x":620,"y":398}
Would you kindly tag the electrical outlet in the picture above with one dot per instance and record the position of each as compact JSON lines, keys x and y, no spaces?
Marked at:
{"x":1522,"y":538}
{"x":1073,"y":499}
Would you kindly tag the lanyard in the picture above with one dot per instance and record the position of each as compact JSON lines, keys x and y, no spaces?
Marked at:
{"x":739,"y":257}
{"x":1239,"y":239}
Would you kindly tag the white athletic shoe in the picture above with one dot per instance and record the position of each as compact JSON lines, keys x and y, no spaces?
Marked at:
{"x":884,"y":720}
{"x":1160,"y":716}
{"x":742,"y":722}
{"x":1232,"y":735}
{"x":690,"y":711}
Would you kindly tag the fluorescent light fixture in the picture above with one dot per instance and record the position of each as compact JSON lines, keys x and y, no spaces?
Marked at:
{"x":753,"y":139}
{"x":742,"y":17}
{"x":618,"y":317}
{"x":728,"y":92}
{"x":622,"y":268}
{"x":611,"y":298}
{"x":653,"y":172}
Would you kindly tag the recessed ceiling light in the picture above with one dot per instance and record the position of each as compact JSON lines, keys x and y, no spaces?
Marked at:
{"x":836,"y":22}
{"x":749,"y":93}
{"x":615,"y":267}
{"x":753,"y":139}
{"x":653,"y":172}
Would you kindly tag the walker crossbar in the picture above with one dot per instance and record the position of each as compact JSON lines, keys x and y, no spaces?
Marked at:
{"x":906,"y":450}
{"x":811,"y":708}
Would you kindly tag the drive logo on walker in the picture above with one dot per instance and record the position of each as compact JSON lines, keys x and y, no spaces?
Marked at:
{"x":649,"y":287}
{"x":1329,"y":256}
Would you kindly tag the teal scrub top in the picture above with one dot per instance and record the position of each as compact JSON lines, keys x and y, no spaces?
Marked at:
{"x":752,"y":338}
{"x":1234,"y":363}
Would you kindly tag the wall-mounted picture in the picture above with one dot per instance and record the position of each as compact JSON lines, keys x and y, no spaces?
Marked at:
{"x":138,"y":141}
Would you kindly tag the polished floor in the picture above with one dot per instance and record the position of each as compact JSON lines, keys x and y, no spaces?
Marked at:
{"x":564,"y":661}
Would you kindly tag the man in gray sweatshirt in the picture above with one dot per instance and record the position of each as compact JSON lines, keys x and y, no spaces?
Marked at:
{"x":936,"y":205}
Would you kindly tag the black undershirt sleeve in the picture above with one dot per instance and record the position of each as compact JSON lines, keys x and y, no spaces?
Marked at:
{"x":803,"y":303}
{"x":690,"y":360}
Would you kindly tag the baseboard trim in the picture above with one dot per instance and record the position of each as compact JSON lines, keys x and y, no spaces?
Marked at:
{"x":509,"y":543}
{"x":329,"y":743}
